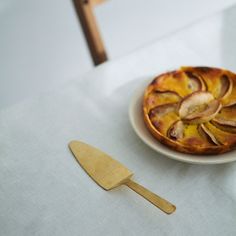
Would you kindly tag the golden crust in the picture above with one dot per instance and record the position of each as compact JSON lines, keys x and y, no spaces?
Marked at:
{"x":180,"y":84}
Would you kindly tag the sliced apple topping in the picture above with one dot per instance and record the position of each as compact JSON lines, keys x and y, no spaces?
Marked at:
{"x":224,"y":137}
{"x":231,"y":98}
{"x":163,"y":116}
{"x":195,"y":81}
{"x":179,"y":82}
{"x":193,"y":102}
{"x":218,"y":82}
{"x":207,"y":134}
{"x":193,"y":137}
{"x":222,"y":121}
{"x":225,"y":87}
{"x":227,"y":113}
{"x":210,"y":111}
{"x":219,"y":85}
{"x":226,"y":119}
{"x":163,"y":109}
{"x":199,"y":107}
{"x":226,"y":125}
{"x":176,"y":130}
{"x":230,"y":102}
{"x":157,"y":98}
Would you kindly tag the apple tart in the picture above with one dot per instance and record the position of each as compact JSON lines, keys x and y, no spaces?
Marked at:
{"x":193,"y":109}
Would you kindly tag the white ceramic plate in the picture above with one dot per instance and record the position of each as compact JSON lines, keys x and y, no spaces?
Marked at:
{"x":136,"y":119}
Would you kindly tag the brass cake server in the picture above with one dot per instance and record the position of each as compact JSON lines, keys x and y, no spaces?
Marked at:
{"x":109,"y":173}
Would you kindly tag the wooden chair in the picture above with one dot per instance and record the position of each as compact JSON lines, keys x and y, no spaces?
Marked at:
{"x":84,"y":10}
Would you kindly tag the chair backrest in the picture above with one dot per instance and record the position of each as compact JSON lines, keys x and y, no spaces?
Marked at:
{"x":84,"y":10}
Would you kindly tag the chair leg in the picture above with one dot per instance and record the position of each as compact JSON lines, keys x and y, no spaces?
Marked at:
{"x":84,"y":10}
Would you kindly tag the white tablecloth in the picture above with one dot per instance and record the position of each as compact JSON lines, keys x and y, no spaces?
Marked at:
{"x":43,"y":191}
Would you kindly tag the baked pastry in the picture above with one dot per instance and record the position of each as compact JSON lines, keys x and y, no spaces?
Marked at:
{"x":193,"y":109}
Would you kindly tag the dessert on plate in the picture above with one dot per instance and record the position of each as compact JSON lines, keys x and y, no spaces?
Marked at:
{"x":193,"y":109}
